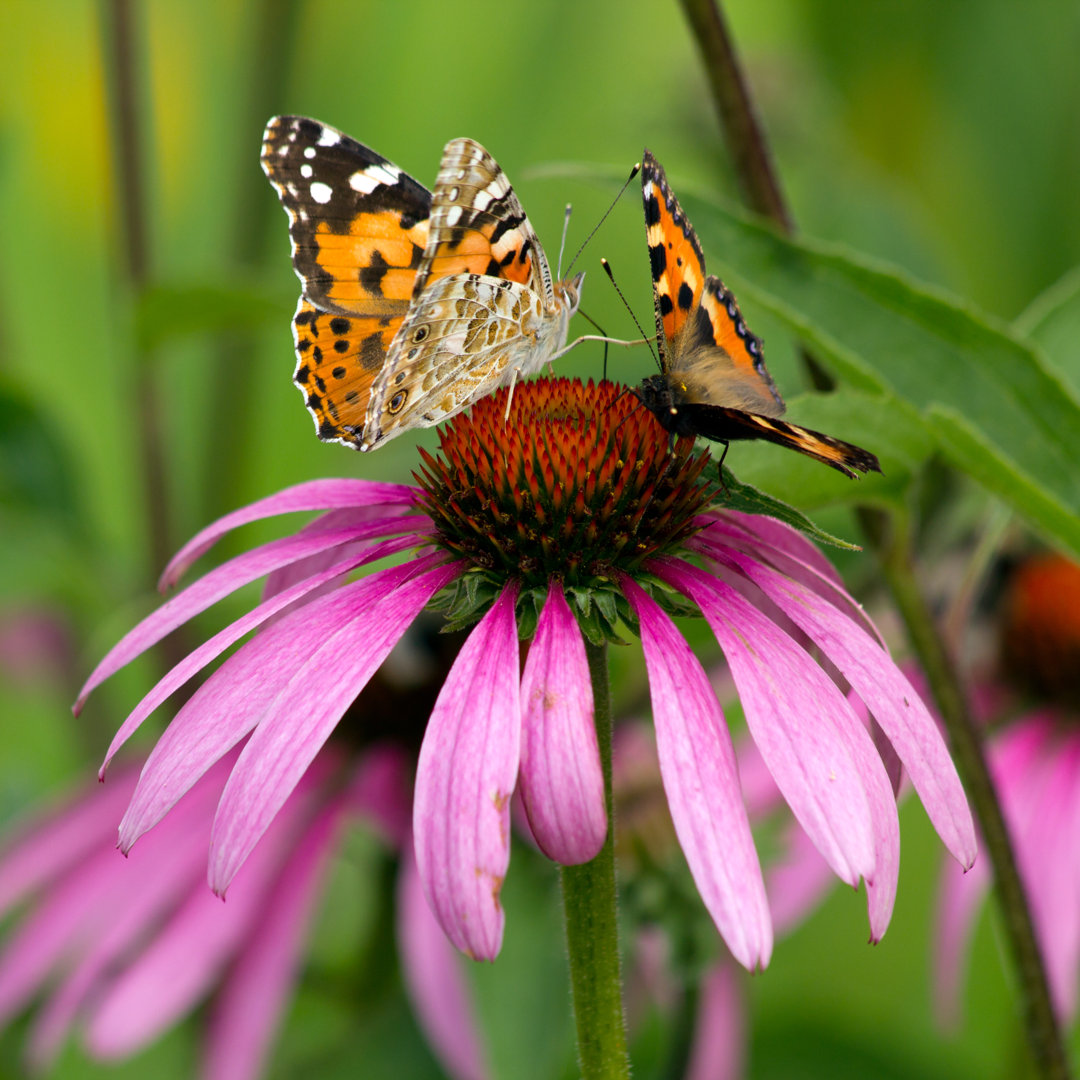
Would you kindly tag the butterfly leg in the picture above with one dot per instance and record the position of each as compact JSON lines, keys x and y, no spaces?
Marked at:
{"x":510,"y":395}
{"x":720,"y":467}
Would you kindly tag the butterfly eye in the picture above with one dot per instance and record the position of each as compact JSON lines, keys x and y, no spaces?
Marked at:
{"x":397,"y":402}
{"x":419,"y":334}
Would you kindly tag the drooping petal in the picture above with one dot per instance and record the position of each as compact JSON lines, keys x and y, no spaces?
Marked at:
{"x":81,"y":907}
{"x":312,"y":495}
{"x":209,"y":650}
{"x":718,"y":1048}
{"x":817,"y":575}
{"x":790,"y":704}
{"x":234,"y":699}
{"x":218,"y":583}
{"x":248,"y":1010}
{"x":562,"y":786}
{"x":1012,"y":758}
{"x":464,"y":780}
{"x":431,"y":969}
{"x":44,"y":847}
{"x":302,"y":715}
{"x":697,"y":764}
{"x":895,"y":704}
{"x":182,"y":963}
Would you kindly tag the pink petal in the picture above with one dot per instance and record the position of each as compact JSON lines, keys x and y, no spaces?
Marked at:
{"x":234,"y":699}
{"x":380,"y":793}
{"x":724,"y":539}
{"x":80,"y":909}
{"x":562,"y":786}
{"x":895,"y":704}
{"x":48,"y":845}
{"x":302,"y":715}
{"x":179,"y":967}
{"x":431,"y":968}
{"x":249,"y":1008}
{"x":312,"y":495}
{"x":1012,"y":757}
{"x":217,"y":584}
{"x":790,"y":705}
{"x":697,"y":764}
{"x":464,"y":780}
{"x":215,"y":646}
{"x":718,"y":1048}
{"x":797,"y":880}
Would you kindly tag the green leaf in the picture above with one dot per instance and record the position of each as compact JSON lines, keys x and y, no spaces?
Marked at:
{"x":883,"y":424}
{"x":735,"y":495}
{"x":166,"y":312}
{"x":1052,"y":321}
{"x":995,"y":407}
{"x":37,"y":474}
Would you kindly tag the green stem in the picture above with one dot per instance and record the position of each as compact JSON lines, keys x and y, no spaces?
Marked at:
{"x":592,"y":931}
{"x":894,"y":553}
{"x":749,"y":149}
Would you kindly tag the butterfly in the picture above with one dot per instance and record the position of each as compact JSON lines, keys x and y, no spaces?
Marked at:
{"x":484,"y":310}
{"x":358,"y":226}
{"x":713,"y":381}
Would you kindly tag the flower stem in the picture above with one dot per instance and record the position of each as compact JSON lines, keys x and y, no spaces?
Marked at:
{"x":894,"y":553}
{"x":592,"y":932}
{"x":891,"y":541}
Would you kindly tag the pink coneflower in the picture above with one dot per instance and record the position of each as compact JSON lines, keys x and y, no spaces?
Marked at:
{"x":126,"y":980}
{"x":1034,"y":761}
{"x":562,"y":525}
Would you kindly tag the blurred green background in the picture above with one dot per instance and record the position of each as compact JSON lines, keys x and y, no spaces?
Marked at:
{"x":941,"y":138}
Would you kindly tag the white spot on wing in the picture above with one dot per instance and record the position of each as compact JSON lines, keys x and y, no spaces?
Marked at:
{"x":329,"y":137}
{"x":453,"y":215}
{"x":320,"y":192}
{"x":306,"y":171}
{"x":309,"y":152}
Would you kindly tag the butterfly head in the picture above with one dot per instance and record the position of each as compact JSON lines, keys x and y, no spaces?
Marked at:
{"x":568,"y":293}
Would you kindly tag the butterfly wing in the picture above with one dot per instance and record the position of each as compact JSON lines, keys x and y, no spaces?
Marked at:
{"x":461,"y":343}
{"x":483,"y":308}
{"x":727,"y":424}
{"x":710,"y":354}
{"x":478,"y":226}
{"x":358,"y":226}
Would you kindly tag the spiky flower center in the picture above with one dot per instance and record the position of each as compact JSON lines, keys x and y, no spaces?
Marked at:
{"x":578,"y":481}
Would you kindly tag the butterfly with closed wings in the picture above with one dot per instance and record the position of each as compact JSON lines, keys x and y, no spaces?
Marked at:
{"x":713,"y":382}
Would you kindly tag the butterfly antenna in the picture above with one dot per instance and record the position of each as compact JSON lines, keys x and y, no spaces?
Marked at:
{"x":633,"y":172}
{"x":603,"y":334}
{"x":607,"y":270}
{"x":562,"y":246}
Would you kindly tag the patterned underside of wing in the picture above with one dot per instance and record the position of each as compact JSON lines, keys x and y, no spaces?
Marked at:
{"x":678,"y":266}
{"x":358,"y":224}
{"x":725,"y":425}
{"x":478,"y":225}
{"x":457,"y":346}
{"x":338,"y":359}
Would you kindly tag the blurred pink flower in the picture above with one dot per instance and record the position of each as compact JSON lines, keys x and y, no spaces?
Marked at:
{"x":530,"y":516}
{"x":1034,"y":761}
{"x":129,"y":947}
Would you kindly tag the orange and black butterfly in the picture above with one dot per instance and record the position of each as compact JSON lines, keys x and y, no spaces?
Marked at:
{"x":713,"y":381}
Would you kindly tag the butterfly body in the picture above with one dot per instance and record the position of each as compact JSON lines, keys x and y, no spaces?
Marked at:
{"x":713,"y":381}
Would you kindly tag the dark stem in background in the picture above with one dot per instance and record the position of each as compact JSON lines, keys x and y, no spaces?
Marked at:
{"x":591,"y":917}
{"x":231,"y":425}
{"x":130,"y":202}
{"x":761,"y":186}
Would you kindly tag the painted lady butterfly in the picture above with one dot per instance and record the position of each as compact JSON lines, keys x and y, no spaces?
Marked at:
{"x":412,"y":305}
{"x":713,"y":381}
